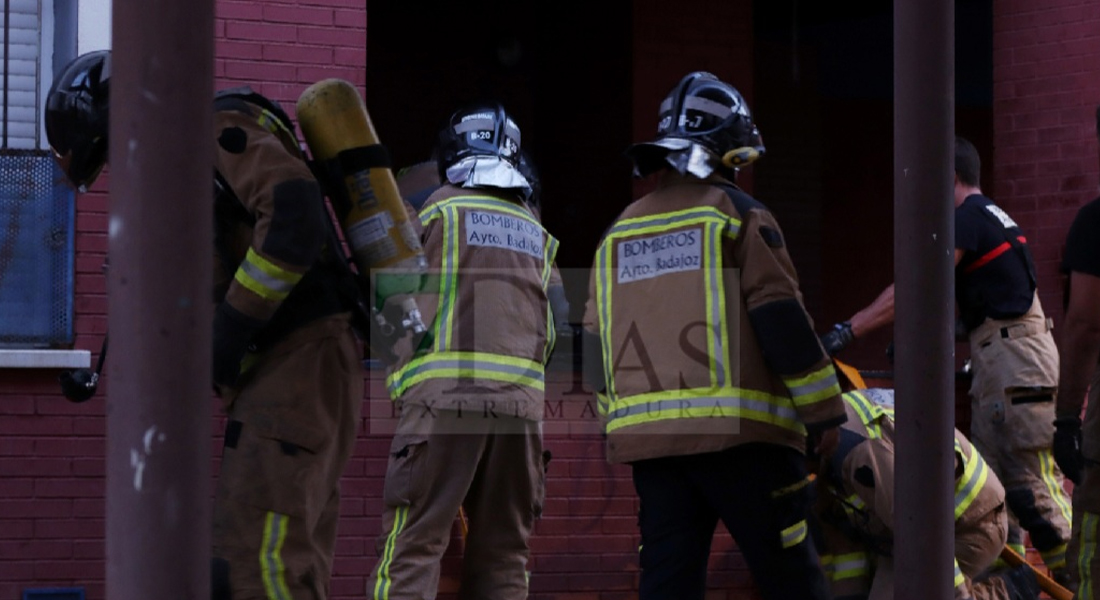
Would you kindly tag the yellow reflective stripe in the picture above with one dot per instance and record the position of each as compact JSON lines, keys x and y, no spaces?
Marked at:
{"x":868,"y":412}
{"x":696,"y":403}
{"x":1086,"y":554}
{"x":435,"y":211}
{"x":603,"y":301}
{"x":1054,"y":487}
{"x":793,"y":535}
{"x":680,"y":218}
{"x":480,"y":365}
{"x":271,"y":561}
{"x":1055,"y":558}
{"x":383,"y":582}
{"x":264,"y":278}
{"x":848,"y":566}
{"x":718,"y":340}
{"x":448,"y":282}
{"x":270,"y":122}
{"x":959,"y":578}
{"x":820,"y":385}
{"x":601,"y":404}
{"x":975,"y":474}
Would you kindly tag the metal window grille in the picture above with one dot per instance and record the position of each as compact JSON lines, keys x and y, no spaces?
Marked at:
{"x":36,"y":208}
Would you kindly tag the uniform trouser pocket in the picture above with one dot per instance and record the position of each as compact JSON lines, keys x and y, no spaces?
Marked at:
{"x":404,"y":471}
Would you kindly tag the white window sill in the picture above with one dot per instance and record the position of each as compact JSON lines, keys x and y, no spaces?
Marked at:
{"x":45,"y":359}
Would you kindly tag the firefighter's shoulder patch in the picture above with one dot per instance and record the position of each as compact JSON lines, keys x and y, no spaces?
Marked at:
{"x":771,"y":237}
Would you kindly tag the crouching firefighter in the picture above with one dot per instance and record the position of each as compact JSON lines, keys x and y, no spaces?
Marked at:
{"x":855,"y":512}
{"x":286,"y":356}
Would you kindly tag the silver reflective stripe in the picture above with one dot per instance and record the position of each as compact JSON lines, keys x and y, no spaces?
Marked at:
{"x":274,"y":284}
{"x":717,"y":292}
{"x":849,"y":568}
{"x":782,"y":412}
{"x":816,"y":386}
{"x":603,"y":298}
{"x":708,"y":106}
{"x":477,"y":366}
{"x":671,"y":220}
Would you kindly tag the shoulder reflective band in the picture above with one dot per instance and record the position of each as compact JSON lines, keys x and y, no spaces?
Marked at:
{"x":994,"y":253}
{"x":868,"y":412}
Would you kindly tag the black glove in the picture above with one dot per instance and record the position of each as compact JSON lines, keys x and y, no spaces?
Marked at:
{"x":232,"y":333}
{"x":1067,"y":447}
{"x":838,"y":339}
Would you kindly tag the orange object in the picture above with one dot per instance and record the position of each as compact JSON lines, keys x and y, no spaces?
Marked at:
{"x":1048,"y":585}
{"x":850,"y":372}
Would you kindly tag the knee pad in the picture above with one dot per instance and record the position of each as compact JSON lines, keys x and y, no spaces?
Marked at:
{"x":1043,"y":534}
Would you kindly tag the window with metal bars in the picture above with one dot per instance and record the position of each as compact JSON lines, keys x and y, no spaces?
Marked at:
{"x":36,"y":207}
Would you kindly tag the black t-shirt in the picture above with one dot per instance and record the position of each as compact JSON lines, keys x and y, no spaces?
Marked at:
{"x":995,"y":277}
{"x":1083,"y":241}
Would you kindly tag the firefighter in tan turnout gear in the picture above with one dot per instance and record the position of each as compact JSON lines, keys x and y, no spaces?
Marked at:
{"x":287,"y":363}
{"x":855,"y":507}
{"x":470,"y":393}
{"x":1015,"y":362}
{"x":712,"y":379}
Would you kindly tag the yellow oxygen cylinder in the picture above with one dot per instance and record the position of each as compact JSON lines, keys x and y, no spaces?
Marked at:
{"x":338,"y":130}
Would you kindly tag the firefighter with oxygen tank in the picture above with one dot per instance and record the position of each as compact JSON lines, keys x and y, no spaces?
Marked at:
{"x":286,"y":355}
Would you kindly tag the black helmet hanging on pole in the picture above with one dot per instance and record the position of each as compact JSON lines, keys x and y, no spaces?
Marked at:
{"x":76,"y":117}
{"x":704,"y":125}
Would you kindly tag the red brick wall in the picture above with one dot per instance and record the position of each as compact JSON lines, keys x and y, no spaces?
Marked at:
{"x":52,"y":471}
{"x":1046,"y":81}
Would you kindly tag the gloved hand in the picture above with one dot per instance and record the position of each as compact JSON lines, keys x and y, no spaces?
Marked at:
{"x":232,"y":333}
{"x":1067,"y":447}
{"x":838,"y":338}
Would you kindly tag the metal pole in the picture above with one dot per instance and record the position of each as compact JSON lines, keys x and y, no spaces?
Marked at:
{"x":159,"y":406}
{"x":924,"y":246}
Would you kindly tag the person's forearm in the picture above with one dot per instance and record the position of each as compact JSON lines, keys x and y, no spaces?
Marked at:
{"x":875,"y":315}
{"x":1078,"y":357}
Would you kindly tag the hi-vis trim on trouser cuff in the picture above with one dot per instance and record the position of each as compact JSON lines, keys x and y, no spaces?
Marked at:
{"x":478,"y":365}
{"x":1054,"y":487}
{"x":973,"y":480}
{"x":793,"y":535}
{"x":839,"y":567}
{"x":271,"y":560}
{"x":264,"y":278}
{"x":1086,"y":553}
{"x":383,"y":582}
{"x":815,"y":387}
{"x":716,"y":224}
{"x":703,"y":403}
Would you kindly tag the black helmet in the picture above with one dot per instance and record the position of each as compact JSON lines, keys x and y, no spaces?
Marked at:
{"x":482,"y":129}
{"x":76,"y":117}
{"x":705,"y":110}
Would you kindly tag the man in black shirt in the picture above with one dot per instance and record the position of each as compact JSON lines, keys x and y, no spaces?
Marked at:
{"x":1077,"y":448}
{"x":1013,"y":356}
